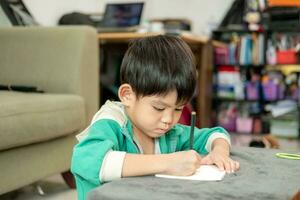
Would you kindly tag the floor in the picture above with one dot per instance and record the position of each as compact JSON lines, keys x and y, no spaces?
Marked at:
{"x":53,"y":187}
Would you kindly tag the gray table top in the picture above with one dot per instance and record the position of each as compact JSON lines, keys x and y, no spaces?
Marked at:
{"x":262,"y":176}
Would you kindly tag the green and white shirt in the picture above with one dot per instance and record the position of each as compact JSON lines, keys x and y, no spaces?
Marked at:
{"x":100,"y":153}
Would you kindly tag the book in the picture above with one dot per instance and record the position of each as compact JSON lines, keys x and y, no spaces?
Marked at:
{"x":203,"y":173}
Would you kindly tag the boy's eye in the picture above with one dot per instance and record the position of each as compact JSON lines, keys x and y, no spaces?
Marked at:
{"x":178,"y":109}
{"x":158,"y":108}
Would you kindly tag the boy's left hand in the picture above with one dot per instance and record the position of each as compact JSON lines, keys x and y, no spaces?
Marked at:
{"x":223,"y":162}
{"x":220,"y":157}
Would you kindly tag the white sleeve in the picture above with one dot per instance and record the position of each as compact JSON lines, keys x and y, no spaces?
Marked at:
{"x":214,"y":136}
{"x":112,"y":165}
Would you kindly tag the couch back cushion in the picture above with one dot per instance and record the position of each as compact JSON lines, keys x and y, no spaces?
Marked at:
{"x":61,"y":59}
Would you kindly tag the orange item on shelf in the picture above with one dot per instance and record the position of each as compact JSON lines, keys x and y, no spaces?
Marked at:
{"x":274,"y":3}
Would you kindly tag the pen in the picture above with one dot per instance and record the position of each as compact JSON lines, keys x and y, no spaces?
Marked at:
{"x":193,"y":121}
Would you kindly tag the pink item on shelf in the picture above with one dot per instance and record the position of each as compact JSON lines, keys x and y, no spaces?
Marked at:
{"x":221,"y":55}
{"x":244,"y":124}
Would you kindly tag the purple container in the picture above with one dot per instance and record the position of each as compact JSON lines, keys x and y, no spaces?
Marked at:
{"x":295,"y":94}
{"x":270,"y":91}
{"x":252,"y":90}
{"x":229,"y":124}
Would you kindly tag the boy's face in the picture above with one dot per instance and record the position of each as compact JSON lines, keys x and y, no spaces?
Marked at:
{"x":153,"y":116}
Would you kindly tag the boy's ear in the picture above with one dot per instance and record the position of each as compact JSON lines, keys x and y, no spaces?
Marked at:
{"x":126,"y":94}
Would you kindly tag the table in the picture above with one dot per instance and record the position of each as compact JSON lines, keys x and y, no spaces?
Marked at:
{"x":262,"y":176}
{"x":110,"y":43}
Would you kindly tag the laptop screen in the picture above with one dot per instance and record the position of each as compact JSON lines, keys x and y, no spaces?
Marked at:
{"x":122,"y":15}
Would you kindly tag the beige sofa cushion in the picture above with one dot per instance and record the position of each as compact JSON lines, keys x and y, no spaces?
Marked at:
{"x":27,"y":118}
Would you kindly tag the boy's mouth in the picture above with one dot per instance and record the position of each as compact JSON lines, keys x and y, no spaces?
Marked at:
{"x":160,"y":130}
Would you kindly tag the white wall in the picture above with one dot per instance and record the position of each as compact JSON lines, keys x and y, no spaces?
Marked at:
{"x":202,"y":13}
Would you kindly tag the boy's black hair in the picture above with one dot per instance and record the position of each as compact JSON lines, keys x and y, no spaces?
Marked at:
{"x":160,"y":64}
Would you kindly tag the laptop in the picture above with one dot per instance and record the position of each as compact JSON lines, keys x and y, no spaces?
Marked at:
{"x":121,"y":17}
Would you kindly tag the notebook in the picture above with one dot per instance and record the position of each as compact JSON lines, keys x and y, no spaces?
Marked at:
{"x":121,"y":17}
{"x":203,"y":173}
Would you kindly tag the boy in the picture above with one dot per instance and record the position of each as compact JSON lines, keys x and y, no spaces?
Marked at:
{"x":139,"y":135}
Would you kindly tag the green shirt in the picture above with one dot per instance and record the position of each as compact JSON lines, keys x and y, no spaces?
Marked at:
{"x":107,"y":134}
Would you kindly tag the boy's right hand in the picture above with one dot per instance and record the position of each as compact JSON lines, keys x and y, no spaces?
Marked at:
{"x":183,"y":163}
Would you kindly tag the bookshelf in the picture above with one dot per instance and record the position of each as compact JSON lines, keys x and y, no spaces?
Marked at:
{"x":256,"y":81}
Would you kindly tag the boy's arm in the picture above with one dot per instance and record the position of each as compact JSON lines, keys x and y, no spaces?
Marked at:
{"x":210,"y":143}
{"x":177,"y":163}
{"x":182,"y":163}
{"x":88,"y":154}
{"x":221,"y":146}
{"x":144,"y":164}
{"x":117,"y":164}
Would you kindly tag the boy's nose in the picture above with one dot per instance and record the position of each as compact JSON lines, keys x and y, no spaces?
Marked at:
{"x":167,"y":118}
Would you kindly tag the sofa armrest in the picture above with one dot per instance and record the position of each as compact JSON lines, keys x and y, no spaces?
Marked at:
{"x":61,"y":59}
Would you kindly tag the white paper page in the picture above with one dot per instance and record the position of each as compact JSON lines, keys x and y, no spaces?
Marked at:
{"x":203,"y":173}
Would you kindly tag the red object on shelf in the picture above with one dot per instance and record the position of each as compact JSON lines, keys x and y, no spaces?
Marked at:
{"x":286,"y":57}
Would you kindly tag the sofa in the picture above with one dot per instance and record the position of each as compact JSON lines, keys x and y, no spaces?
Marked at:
{"x":49,"y":78}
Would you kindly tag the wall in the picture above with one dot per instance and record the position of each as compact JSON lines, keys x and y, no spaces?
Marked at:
{"x":203,"y":13}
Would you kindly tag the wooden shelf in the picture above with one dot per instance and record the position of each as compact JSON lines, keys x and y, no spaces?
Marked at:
{"x":125,"y":37}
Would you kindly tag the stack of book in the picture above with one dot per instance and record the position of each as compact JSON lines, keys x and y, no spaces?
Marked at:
{"x":244,"y":50}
